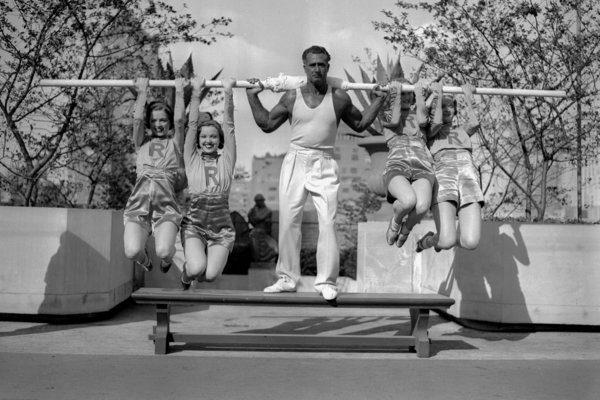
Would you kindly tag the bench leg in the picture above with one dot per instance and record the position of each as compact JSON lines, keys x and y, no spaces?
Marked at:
{"x":420,"y":332}
{"x":161,"y":330}
{"x":414,"y":316}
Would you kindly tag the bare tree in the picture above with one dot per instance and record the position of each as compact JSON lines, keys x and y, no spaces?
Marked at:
{"x":80,"y":39}
{"x":516,"y":44}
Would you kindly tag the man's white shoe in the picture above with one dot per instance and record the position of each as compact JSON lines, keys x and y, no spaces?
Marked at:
{"x":283,"y":284}
{"x":329,"y":292}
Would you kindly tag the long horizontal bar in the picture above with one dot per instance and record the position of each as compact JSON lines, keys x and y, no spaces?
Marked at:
{"x":284,"y":82}
{"x":129,"y":83}
{"x":458,"y":89}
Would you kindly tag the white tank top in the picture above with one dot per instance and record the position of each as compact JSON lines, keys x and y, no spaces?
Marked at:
{"x":314,"y":128}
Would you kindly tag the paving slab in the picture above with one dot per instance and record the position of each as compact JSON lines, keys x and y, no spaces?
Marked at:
{"x":45,"y":376}
{"x":113,"y":359}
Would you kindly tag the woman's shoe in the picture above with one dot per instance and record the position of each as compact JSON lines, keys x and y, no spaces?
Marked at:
{"x":402,"y":236}
{"x":391,"y":235}
{"x":422,"y":243}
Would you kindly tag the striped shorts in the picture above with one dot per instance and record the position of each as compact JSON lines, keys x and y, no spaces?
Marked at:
{"x":208,"y":219}
{"x":457,"y":180}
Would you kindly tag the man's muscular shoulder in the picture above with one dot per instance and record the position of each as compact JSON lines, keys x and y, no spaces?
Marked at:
{"x":339,"y":94}
{"x":288,"y":99}
{"x":341,"y":99}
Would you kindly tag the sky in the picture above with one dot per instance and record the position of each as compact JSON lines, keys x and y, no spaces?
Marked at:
{"x":269,"y":37}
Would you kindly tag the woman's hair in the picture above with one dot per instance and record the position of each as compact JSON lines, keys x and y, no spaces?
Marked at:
{"x":204,"y":116}
{"x":212,"y":122}
{"x":386,"y":111}
{"x":431,"y":103}
{"x":157,"y":106}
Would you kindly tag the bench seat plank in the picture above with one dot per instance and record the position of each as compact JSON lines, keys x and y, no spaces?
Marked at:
{"x":249,"y":297}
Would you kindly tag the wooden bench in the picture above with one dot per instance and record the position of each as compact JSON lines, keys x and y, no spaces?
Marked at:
{"x":418,"y":304}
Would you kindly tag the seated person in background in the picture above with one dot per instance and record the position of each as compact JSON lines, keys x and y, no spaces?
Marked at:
{"x":264,"y":247}
{"x":260,"y":215}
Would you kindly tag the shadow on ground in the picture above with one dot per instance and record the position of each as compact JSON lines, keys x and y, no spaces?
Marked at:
{"x":363,"y":326}
{"x":125,"y":314}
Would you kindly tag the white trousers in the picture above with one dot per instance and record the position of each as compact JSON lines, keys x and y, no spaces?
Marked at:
{"x":307,"y":171}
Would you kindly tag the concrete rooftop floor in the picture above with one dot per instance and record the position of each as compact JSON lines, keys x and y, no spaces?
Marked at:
{"x":114,"y":359}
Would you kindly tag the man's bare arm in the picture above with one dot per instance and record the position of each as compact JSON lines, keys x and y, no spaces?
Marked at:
{"x":353,"y":117}
{"x":268,"y":121}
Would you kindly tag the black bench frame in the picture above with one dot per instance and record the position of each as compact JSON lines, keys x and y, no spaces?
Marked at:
{"x":418,"y":304}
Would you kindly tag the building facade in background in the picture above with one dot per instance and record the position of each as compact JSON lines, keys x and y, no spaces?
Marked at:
{"x":241,"y":197}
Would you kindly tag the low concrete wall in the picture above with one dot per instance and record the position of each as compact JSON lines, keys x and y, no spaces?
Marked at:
{"x":520,"y":273}
{"x":62,"y":261}
{"x":71,"y":261}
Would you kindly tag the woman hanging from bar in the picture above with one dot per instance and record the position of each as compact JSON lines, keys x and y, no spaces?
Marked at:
{"x":408,"y":173}
{"x":152,"y":207}
{"x":207,"y":231}
{"x":457,"y":189}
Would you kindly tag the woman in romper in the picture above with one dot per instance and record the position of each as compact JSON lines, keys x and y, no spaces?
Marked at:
{"x":408,"y":173}
{"x":457,"y":189}
{"x":152,"y":206}
{"x":207,"y":230}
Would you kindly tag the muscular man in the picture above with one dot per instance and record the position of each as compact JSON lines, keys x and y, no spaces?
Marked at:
{"x":314,"y":112}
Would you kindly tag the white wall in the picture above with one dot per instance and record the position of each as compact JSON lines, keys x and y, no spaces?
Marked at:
{"x":62,"y":261}
{"x":520,"y":273}
{"x":71,"y":261}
